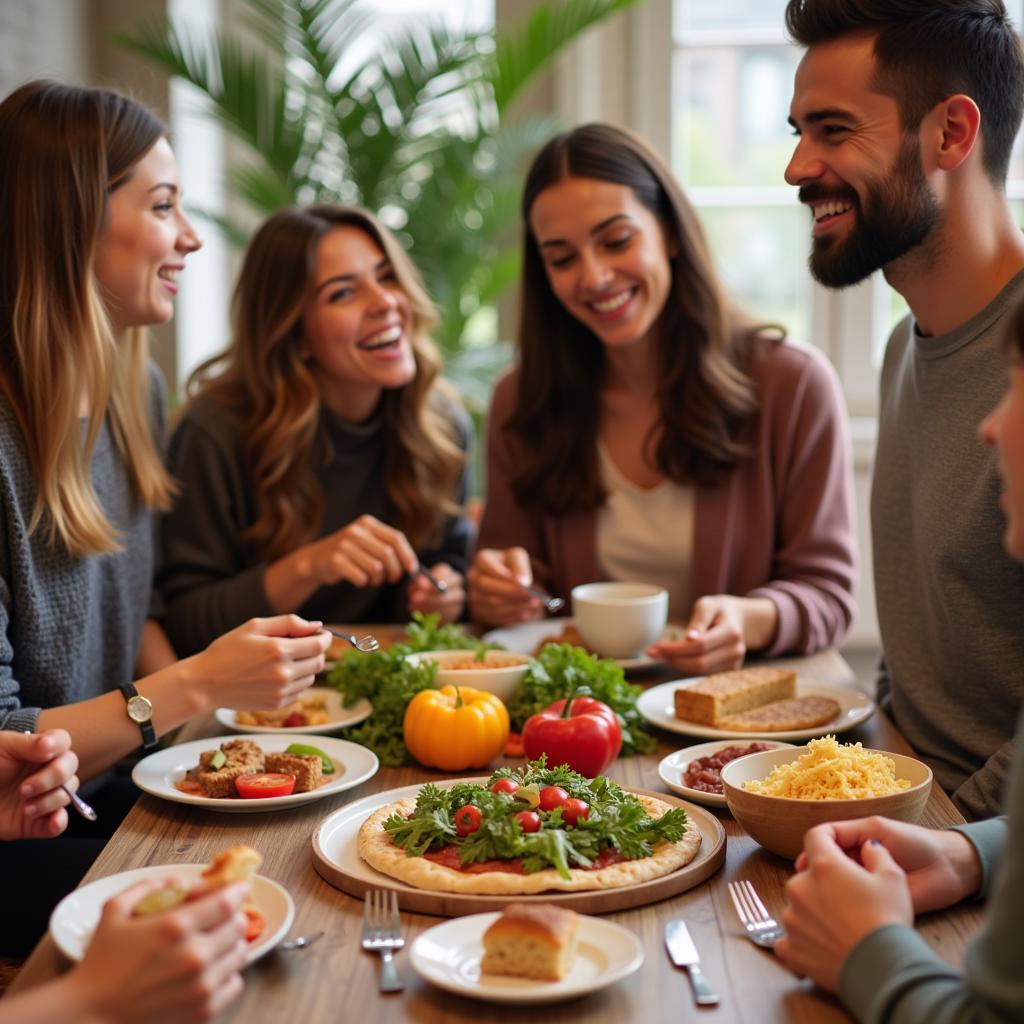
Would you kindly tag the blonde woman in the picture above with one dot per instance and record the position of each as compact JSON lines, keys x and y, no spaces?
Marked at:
{"x":94,"y":240}
{"x":322,"y":459}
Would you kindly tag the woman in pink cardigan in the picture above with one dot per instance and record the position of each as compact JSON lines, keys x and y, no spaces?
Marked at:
{"x":653,"y":432}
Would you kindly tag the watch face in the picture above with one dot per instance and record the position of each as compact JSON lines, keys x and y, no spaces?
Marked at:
{"x":140,"y":709}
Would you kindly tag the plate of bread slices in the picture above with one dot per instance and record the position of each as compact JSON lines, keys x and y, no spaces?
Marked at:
{"x":760,"y":702}
{"x":269,"y":909}
{"x":528,"y":953}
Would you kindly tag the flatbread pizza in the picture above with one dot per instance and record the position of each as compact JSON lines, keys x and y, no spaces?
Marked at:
{"x":657,"y":836}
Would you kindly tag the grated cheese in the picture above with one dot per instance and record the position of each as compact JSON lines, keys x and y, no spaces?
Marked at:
{"x":832,"y":771}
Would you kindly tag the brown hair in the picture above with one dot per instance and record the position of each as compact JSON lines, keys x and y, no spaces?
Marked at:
{"x":63,"y":150}
{"x":928,"y":50}
{"x":706,"y":395}
{"x":263,"y":378}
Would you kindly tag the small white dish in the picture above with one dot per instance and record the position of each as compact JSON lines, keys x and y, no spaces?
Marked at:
{"x":159,"y":773}
{"x":340,"y":716}
{"x":657,"y":705}
{"x":498,"y":672}
{"x":74,"y":919}
{"x":525,"y":637}
{"x":672,"y":767}
{"x":448,"y":955}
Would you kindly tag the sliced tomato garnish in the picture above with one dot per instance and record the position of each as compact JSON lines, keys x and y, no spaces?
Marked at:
{"x":255,"y":924}
{"x":258,"y":785}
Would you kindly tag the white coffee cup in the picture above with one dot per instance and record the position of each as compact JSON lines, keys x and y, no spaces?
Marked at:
{"x":618,"y":620}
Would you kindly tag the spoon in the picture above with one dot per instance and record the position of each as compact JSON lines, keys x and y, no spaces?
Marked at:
{"x":551,"y":604}
{"x":300,"y":941}
{"x":366,"y":643}
{"x":84,"y":809}
{"x":439,"y":585}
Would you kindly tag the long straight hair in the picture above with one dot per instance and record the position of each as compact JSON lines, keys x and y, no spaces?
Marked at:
{"x":706,"y":395}
{"x":263,"y":378}
{"x":63,"y":151}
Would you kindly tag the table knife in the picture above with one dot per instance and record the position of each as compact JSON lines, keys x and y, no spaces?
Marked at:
{"x":684,"y":954}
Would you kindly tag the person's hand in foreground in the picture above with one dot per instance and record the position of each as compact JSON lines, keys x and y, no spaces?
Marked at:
{"x":836,"y":900}
{"x":33,"y":767}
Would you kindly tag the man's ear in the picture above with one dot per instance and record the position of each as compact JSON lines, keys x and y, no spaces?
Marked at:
{"x":957,"y":130}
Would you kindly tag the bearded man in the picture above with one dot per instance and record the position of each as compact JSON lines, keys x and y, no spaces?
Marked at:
{"x":906,"y":112}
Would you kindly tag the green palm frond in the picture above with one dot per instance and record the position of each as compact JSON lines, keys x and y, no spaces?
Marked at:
{"x":524,"y":49}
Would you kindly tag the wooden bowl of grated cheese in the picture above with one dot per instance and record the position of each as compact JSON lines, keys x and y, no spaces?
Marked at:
{"x":777,"y":795}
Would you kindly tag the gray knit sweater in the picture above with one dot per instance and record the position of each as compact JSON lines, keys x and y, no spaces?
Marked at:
{"x":212,"y":582}
{"x":69,"y":627}
{"x":950,"y":600}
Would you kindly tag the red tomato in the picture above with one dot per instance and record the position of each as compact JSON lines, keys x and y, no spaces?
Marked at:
{"x":552,"y":797}
{"x":294,"y":720}
{"x":254,"y":924}
{"x":505,"y":785}
{"x":467,"y":819}
{"x":257,"y":785}
{"x":514,"y":745}
{"x":573,"y":810}
{"x":529,"y":821}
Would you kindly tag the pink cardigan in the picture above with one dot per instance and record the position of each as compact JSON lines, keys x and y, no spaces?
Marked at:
{"x":779,"y":526}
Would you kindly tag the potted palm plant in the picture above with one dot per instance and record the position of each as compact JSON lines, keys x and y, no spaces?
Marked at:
{"x":417,"y":129}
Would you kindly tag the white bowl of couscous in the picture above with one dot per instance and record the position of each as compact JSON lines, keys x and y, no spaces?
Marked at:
{"x":497,"y":672}
{"x":777,"y":795}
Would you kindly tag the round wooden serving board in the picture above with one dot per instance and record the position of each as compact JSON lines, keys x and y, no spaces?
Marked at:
{"x":336,"y":859}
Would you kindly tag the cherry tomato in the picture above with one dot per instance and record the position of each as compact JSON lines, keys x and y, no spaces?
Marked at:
{"x":505,"y":785}
{"x":254,"y":924}
{"x":294,"y":720}
{"x":529,"y":821}
{"x":467,"y":819}
{"x":573,"y":810}
{"x":552,"y":797}
{"x":257,"y":785}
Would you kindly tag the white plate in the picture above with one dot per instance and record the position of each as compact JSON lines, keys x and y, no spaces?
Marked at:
{"x":671,"y":768}
{"x":657,"y":705}
{"x":75,"y":918}
{"x":448,"y":955}
{"x":524,"y":637}
{"x":340,"y":716}
{"x":158,"y":773}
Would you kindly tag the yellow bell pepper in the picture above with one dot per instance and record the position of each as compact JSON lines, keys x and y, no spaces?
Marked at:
{"x":455,"y":727}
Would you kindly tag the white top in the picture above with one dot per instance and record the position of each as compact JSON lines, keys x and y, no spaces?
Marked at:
{"x":646,"y":535}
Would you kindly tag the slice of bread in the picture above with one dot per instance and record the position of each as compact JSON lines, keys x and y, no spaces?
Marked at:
{"x":531,"y":941}
{"x":708,"y":701}
{"x":784,"y":715}
{"x":308,"y":769}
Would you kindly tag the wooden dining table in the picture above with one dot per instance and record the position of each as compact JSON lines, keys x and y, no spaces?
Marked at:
{"x":335,"y":980}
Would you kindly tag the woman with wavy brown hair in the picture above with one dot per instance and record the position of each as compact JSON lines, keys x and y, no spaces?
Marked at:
{"x":322,"y":459}
{"x":94,"y":242}
{"x":653,"y":432}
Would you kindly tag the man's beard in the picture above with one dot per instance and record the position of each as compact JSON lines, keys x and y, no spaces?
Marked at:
{"x":898,"y":214}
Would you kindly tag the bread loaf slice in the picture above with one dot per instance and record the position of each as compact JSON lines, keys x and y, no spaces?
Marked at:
{"x":784,"y":715}
{"x":531,"y":941}
{"x":711,"y":699}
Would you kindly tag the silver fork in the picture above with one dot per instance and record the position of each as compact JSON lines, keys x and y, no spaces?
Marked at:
{"x":759,"y":924}
{"x":366,"y":644}
{"x":382,"y":933}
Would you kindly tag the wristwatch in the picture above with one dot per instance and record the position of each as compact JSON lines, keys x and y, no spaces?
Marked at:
{"x":140,"y":711}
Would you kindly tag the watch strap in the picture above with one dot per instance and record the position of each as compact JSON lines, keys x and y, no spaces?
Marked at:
{"x":149,"y":739}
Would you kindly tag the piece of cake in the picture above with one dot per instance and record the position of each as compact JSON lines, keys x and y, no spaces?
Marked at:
{"x":715,"y":697}
{"x":784,"y":715}
{"x":308,"y":769}
{"x":536,"y":940}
